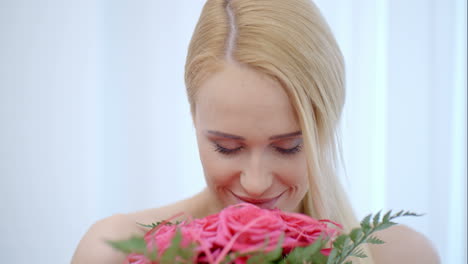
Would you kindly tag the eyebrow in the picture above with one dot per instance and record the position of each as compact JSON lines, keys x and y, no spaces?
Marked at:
{"x":230,"y":136}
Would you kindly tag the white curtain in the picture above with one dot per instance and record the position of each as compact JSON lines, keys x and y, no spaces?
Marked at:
{"x":95,"y":121}
{"x":405,"y":116}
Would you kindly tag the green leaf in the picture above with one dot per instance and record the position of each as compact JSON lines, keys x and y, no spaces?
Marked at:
{"x":340,"y":241}
{"x":365,"y":224}
{"x":348,"y":247}
{"x":267,"y":257}
{"x":318,"y":258}
{"x":133,"y":245}
{"x":314,"y":247}
{"x":403,"y":213}
{"x":259,"y":258}
{"x":376,"y":219}
{"x":301,"y":254}
{"x":276,"y":253}
{"x":171,"y":253}
{"x":412,"y":214}
{"x":386,"y":217}
{"x":355,"y":234}
{"x":333,"y":256}
{"x":177,"y":252}
{"x":374,"y":240}
{"x":366,"y":220}
{"x":384,"y":226}
{"x":153,"y":225}
{"x":398,"y":214}
{"x":359,"y":253}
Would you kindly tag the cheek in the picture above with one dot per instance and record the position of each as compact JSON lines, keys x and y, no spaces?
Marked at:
{"x":217,"y":170}
{"x":293,"y":172}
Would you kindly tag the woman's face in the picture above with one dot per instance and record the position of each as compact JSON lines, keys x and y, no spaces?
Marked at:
{"x":249,"y":141}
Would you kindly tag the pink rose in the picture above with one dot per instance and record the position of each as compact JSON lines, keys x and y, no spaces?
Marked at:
{"x":207,"y":227}
{"x":239,"y":228}
{"x":204,"y":232}
{"x":245,"y":227}
{"x":161,"y":236}
{"x":303,"y":230}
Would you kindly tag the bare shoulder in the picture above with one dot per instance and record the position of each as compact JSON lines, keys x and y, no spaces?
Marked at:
{"x":195,"y":206}
{"x":154,"y":215}
{"x":93,"y":247}
{"x":404,"y":245}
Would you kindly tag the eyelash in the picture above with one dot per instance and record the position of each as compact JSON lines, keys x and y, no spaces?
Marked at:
{"x":226,"y":151}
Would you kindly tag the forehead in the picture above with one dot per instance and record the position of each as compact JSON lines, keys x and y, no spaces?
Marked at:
{"x":243,"y":101}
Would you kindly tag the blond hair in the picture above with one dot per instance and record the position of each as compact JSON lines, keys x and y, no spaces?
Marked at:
{"x":290,"y":41}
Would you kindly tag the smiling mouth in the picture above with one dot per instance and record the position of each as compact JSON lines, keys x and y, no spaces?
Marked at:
{"x":268,"y":203}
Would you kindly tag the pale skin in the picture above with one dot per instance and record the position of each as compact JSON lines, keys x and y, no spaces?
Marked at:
{"x":240,"y":102}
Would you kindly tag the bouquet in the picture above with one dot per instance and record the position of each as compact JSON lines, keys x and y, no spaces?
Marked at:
{"x":245,"y":233}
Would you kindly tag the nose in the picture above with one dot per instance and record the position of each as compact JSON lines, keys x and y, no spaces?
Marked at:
{"x":256,"y":178}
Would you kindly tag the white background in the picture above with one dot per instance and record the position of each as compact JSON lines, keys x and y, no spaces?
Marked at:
{"x":94,"y":118}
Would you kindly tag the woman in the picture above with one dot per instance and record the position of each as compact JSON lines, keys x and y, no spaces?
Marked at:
{"x":265,"y":82}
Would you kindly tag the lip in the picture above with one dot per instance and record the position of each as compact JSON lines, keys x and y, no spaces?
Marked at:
{"x":267,"y":203}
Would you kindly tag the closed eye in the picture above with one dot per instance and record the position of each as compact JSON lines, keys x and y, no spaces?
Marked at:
{"x":227,"y":151}
{"x":289,"y":151}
